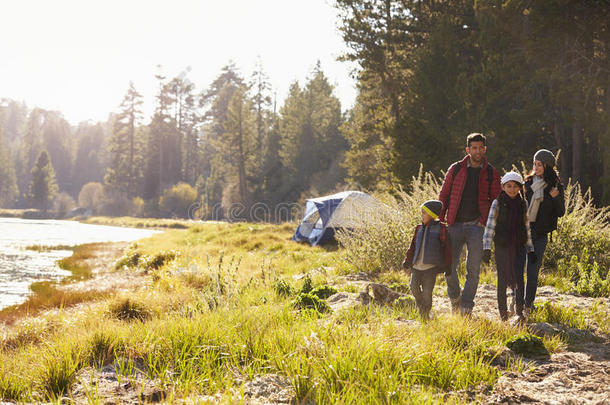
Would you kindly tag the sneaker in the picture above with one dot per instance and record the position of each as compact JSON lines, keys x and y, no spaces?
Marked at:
{"x":527,"y":313}
{"x":511,"y":307}
{"x":455,"y":304}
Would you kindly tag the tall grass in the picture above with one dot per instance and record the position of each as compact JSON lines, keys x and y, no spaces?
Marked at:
{"x":216,"y":314}
{"x":379,"y":243}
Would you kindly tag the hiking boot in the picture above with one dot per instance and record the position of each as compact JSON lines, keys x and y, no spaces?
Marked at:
{"x":455,"y":305}
{"x":467,"y":312}
{"x":503,"y":315}
{"x":520,"y":311}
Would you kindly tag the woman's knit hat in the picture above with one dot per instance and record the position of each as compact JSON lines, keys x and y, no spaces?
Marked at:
{"x":432,"y":208}
{"x":546,"y":157}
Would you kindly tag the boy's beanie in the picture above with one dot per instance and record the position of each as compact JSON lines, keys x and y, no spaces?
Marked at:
{"x":546,"y":157}
{"x":433,"y":208}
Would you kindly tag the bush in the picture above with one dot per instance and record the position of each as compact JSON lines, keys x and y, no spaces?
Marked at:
{"x":127,"y":310}
{"x":63,"y":203}
{"x":91,"y":196}
{"x":307,"y":285}
{"x":129,"y":260}
{"x":176,"y":200}
{"x":582,"y":227}
{"x":310,"y":301}
{"x":527,"y":345}
{"x":282,"y":288}
{"x":324,"y":291}
{"x":380,"y":243}
{"x":585,"y":277}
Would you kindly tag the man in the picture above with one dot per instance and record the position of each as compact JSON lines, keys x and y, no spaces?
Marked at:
{"x":468,"y":190}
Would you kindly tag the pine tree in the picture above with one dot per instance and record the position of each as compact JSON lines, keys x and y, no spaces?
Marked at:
{"x":30,"y":147}
{"x":239,"y":144}
{"x":43,"y":186}
{"x":8,"y":181}
{"x":309,"y":136}
{"x":126,"y":146}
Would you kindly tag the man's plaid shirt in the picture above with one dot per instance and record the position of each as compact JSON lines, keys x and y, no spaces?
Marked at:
{"x":490,"y":228}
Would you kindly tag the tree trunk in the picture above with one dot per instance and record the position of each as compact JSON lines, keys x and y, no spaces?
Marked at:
{"x":576,"y":151}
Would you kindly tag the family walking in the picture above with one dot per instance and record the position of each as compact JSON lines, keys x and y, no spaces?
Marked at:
{"x":477,"y":208}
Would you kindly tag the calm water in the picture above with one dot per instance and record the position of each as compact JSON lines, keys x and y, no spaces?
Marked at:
{"x":20,"y":267}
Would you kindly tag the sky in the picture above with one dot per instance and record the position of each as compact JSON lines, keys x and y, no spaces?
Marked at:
{"x":78,"y":56}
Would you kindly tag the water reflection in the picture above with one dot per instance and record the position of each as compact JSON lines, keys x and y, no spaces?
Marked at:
{"x":20,"y":267}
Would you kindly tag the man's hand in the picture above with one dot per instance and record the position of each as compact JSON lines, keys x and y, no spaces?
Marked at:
{"x":486,"y":256}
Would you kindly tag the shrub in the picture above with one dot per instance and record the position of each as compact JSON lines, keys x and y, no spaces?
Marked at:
{"x":91,"y":196}
{"x":527,"y":345}
{"x":282,"y":288}
{"x":323,"y":291}
{"x":176,"y":200}
{"x":380,"y":243}
{"x":582,"y":227}
{"x":160,"y":259}
{"x":63,"y":203}
{"x":128,"y":310}
{"x":310,"y":301}
{"x":585,"y":277}
{"x":129,"y":260}
{"x":307,"y":285}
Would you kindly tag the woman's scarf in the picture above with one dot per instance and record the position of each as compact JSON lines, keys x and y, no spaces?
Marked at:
{"x":538,"y":185}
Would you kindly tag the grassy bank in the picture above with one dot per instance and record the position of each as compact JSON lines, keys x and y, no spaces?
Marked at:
{"x":133,"y":222}
{"x":48,"y":295}
{"x":219,"y":309}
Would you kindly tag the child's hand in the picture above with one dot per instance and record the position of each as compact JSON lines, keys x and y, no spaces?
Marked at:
{"x":486,"y":256}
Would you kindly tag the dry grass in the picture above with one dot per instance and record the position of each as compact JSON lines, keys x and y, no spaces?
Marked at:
{"x":46,"y":295}
{"x":133,"y":222}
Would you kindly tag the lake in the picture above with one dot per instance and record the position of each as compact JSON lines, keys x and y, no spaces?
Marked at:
{"x":20,"y":267}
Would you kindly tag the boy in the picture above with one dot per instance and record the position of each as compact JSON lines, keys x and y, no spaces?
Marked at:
{"x":428,"y":255}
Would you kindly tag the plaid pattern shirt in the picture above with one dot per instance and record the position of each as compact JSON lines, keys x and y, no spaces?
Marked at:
{"x":490,"y":228}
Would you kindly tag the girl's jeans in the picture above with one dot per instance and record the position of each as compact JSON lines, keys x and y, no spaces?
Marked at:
{"x":540,"y":242}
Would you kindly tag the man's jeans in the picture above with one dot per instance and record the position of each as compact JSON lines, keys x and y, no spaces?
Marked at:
{"x":470,"y":234}
{"x":540,"y":243}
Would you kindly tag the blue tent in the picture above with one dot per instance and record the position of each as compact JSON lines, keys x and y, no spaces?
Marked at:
{"x":323,"y":215}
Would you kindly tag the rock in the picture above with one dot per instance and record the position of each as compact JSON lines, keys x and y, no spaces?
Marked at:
{"x":545,"y":329}
{"x":501,"y":356}
{"x":266,"y":389}
{"x":345,"y":300}
{"x":382,"y":295}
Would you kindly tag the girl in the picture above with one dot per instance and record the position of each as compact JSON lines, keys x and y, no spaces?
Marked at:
{"x":507,"y":226}
{"x":545,"y":197}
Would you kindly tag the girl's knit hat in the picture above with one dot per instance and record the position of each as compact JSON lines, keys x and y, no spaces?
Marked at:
{"x":511,"y":176}
{"x":432,"y":208}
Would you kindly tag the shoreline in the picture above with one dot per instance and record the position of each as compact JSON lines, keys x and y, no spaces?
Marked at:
{"x":122,"y":221}
{"x":84,"y":263}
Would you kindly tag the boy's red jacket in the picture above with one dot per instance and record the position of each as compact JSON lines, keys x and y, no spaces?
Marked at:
{"x":446,"y":246}
{"x":452,"y":189}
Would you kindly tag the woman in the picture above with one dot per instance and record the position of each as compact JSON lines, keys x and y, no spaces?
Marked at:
{"x":545,"y":198}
